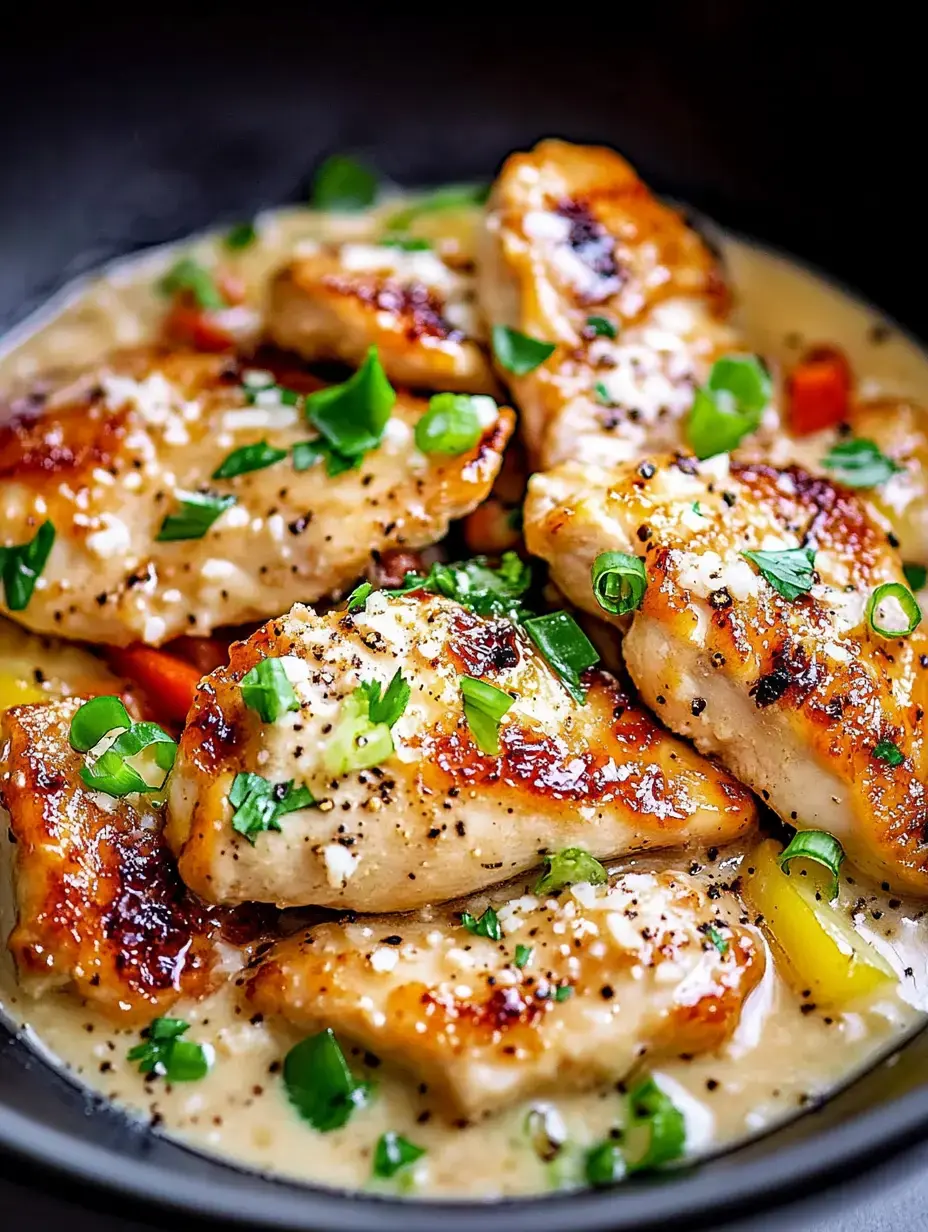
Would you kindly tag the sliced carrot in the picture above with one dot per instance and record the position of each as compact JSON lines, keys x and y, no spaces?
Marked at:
{"x":205,"y":653}
{"x":168,"y":682}
{"x":819,"y":391}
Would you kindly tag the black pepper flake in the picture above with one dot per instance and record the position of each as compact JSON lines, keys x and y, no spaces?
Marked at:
{"x":644,"y":532}
{"x":646,"y":470}
{"x":697,"y":706}
{"x":720,"y":599}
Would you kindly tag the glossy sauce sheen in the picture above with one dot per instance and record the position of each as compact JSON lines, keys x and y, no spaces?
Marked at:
{"x":786,"y":1053}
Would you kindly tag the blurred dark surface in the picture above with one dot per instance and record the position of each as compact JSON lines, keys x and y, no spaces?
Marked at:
{"x":124,"y":128}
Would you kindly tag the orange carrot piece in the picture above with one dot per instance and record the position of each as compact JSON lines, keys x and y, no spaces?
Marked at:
{"x":168,"y":682}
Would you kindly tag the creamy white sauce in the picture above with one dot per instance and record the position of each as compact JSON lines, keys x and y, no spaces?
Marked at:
{"x":779,"y":1060}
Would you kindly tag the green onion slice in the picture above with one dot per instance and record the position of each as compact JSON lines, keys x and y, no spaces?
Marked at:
{"x":362,"y":737}
{"x":343,"y":183}
{"x":448,"y":197}
{"x":21,"y":566}
{"x":619,"y":582}
{"x":889,"y":752}
{"x":729,"y":406}
{"x":352,"y":416}
{"x":320,"y":1084}
{"x":601,"y":327}
{"x":94,"y":719}
{"x":112,"y":773}
{"x":198,"y":511}
{"x":406,"y":243}
{"x":565,"y":647}
{"x":486,"y":926}
{"x":452,"y":425}
{"x":523,"y":956}
{"x":893,"y":592}
{"x":164,"y":1052}
{"x":517,"y":352}
{"x":653,"y":1117}
{"x":267,"y":689}
{"x":392,"y":1153}
{"x":605,"y":1164}
{"x":859,"y":463}
{"x":358,"y":597}
{"x":249,"y":458}
{"x":389,"y":707}
{"x":572,"y":866}
{"x":189,"y":277}
{"x":819,"y":847}
{"x":789,"y":572}
{"x":484,"y":707}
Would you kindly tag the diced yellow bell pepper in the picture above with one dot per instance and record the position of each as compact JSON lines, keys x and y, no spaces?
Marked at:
{"x":823,"y":951}
{"x":15,"y":690}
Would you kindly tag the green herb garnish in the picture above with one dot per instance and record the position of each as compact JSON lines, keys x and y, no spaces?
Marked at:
{"x":164,"y":1053}
{"x":859,"y":463}
{"x":819,"y":847}
{"x":198,"y":511}
{"x":259,"y":804}
{"x":729,"y":406}
{"x":242,"y":235}
{"x":789,"y":572}
{"x":484,"y":707}
{"x":886,"y":751}
{"x":523,"y":956}
{"x":112,"y":773}
{"x":392,"y":1153}
{"x":572,"y":866}
{"x":452,"y":424}
{"x":320,"y":1085}
{"x":343,"y":183}
{"x":249,"y":458}
{"x":189,"y":277}
{"x":565,"y":647}
{"x":448,"y":197}
{"x":358,"y":597}
{"x":477,"y":585}
{"x":601,"y":327}
{"x":619,"y":582}
{"x":486,"y":926}
{"x":517,"y":352}
{"x":351,"y":417}
{"x":21,"y":565}
{"x":267,"y":689}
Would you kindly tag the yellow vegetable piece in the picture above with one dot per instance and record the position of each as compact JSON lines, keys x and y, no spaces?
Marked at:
{"x":16,"y":691}
{"x":822,"y":949}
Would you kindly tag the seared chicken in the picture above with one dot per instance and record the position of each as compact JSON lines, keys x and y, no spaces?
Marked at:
{"x":336,"y":300}
{"x":645,"y":963}
{"x":800,"y":698}
{"x":578,"y":252}
{"x":101,"y":910}
{"x":107,"y":459}
{"x":435,"y":817}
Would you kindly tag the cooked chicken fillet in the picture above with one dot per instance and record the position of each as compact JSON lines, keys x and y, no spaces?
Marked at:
{"x":794,"y":696}
{"x":336,"y":300}
{"x":437,"y":818}
{"x":108,"y":458}
{"x":574,"y":237}
{"x":614,"y":971}
{"x":100,"y":908}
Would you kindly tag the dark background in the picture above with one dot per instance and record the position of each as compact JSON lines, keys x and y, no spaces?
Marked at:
{"x":801,"y":124}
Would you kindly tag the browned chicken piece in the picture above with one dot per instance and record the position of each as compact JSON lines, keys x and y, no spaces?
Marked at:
{"x":333,"y":301}
{"x":800,"y":697}
{"x":135,"y":441}
{"x":431,"y":817}
{"x":645,"y":963}
{"x":100,"y":908}
{"x":579,"y":253}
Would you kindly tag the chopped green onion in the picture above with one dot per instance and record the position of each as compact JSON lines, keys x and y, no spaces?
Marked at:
{"x":819,"y":847}
{"x":565,"y":647}
{"x":189,"y":277}
{"x":728,"y":406}
{"x":392,"y":1153}
{"x":112,"y":774}
{"x":546,"y":1132}
{"x":789,"y":572}
{"x":893,"y":591}
{"x":717,"y":939}
{"x":249,"y":458}
{"x":308,"y":453}
{"x":198,"y":511}
{"x":484,"y":707}
{"x":601,"y":327}
{"x":164,"y":1053}
{"x":94,"y":719}
{"x":605,"y":1164}
{"x":267,"y":689}
{"x":571,"y":866}
{"x":886,"y":751}
{"x":352,"y":416}
{"x":859,"y":464}
{"x":563,"y":992}
{"x":21,"y":565}
{"x":448,"y":197}
{"x":653,"y":1112}
{"x":259,"y":804}
{"x":603,"y":396}
{"x":486,"y":926}
{"x":343,"y":183}
{"x":619,"y":582}
{"x":517,"y":352}
{"x":451,"y":425}
{"x":358,"y":597}
{"x":476,"y":585}
{"x":388,"y":708}
{"x":523,"y":956}
{"x":320,"y":1085}
{"x":242,"y":235}
{"x":406,"y":243}
{"x":916,"y":576}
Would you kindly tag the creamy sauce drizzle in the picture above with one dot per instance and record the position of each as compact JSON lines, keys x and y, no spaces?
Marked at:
{"x":784,"y":1056}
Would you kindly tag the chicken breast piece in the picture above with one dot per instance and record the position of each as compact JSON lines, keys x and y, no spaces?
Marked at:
{"x":577,"y":249}
{"x":436,"y":818}
{"x":800,"y":698}
{"x":643,"y":963}
{"x":335,"y":300}
{"x":101,"y":910}
{"x":107,"y":459}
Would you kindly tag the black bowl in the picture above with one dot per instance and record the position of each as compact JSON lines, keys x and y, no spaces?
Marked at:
{"x":116,"y":134}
